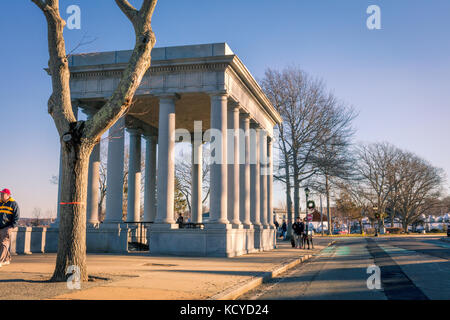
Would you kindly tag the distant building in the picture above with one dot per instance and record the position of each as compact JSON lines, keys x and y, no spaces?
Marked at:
{"x":33,"y":222}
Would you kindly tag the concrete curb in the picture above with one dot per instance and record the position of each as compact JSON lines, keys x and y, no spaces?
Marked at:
{"x":236,"y":292}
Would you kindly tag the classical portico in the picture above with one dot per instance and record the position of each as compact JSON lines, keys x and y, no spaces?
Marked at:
{"x":203,"y":93}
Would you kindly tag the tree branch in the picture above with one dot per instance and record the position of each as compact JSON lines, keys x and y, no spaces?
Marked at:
{"x":59,"y":104}
{"x":128,"y":9}
{"x":120,"y":101}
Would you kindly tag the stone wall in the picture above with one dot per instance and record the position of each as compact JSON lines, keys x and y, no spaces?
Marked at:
{"x":28,"y":240}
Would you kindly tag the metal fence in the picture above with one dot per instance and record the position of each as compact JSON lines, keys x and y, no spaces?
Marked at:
{"x":137,"y":240}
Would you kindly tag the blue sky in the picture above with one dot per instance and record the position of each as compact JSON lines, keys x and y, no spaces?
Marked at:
{"x":398,"y":78}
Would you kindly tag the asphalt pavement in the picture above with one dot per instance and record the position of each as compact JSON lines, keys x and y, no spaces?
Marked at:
{"x":410,"y":268}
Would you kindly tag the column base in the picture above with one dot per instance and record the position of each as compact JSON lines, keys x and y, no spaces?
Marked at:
{"x":198,"y":242}
{"x":258,"y":237}
{"x":164,"y":226}
{"x":218,"y":226}
{"x":51,"y":239}
{"x":108,"y":238}
{"x":93,"y":224}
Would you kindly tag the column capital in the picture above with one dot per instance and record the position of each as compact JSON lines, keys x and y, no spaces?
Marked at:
{"x":167,"y":96}
{"x":255,"y":125}
{"x":134,"y":131}
{"x":245,"y":116}
{"x":149,"y":136}
{"x":233,"y":104}
{"x":218,"y":94}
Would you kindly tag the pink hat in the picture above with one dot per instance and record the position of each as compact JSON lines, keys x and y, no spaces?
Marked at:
{"x":6,"y":191}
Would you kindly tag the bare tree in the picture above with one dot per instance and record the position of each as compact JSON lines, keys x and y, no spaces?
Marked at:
{"x":311,"y":119}
{"x":37,"y":215}
{"x":397,"y":181}
{"x":376,"y":168}
{"x":334,"y":160}
{"x":419,"y":190}
{"x":351,"y":201}
{"x":273,"y":86}
{"x":183,"y":174}
{"x":79,"y":137}
{"x":102,"y":191}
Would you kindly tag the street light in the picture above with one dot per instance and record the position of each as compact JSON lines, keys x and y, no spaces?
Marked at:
{"x":307,"y":195}
{"x":378,"y":221}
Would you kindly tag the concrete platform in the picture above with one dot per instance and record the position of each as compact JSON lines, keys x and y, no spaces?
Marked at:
{"x":140,"y":276}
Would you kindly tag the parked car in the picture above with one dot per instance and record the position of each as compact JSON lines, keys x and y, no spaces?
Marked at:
{"x":340,"y":231}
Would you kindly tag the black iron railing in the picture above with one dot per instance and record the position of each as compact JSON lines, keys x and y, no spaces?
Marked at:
{"x":138,"y":241}
{"x":191,"y":225}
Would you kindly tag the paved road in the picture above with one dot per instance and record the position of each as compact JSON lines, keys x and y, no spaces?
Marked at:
{"x":410,"y":268}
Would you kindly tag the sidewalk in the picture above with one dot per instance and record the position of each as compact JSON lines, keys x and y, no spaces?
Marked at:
{"x":138,"y":276}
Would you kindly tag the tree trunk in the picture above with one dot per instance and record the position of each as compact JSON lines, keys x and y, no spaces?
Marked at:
{"x":72,"y":227}
{"x":392,"y":217}
{"x":327,"y":192}
{"x":288,"y":199}
{"x":296,"y":195}
{"x":79,"y":137}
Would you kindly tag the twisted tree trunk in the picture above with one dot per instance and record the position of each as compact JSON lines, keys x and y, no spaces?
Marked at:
{"x":72,"y":226}
{"x":327,"y":192}
{"x":79,"y":137}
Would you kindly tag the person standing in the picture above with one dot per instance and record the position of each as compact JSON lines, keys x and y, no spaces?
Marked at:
{"x":9,"y":216}
{"x":180,"y":220}
{"x":308,"y":237}
{"x":298,"y":229}
{"x":284,"y":229}
{"x":277,"y":227}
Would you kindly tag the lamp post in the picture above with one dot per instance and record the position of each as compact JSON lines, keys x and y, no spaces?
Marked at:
{"x":307,"y":196}
{"x":321,"y":214}
{"x":378,"y":221}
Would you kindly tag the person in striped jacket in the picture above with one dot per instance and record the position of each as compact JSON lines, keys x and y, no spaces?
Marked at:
{"x":9,"y":216}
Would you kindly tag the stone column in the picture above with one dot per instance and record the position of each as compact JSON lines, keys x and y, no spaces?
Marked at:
{"x":114,"y":180}
{"x":166,"y":161}
{"x":150,"y":179}
{"x":263,"y":177}
{"x":233,"y":165}
{"x":197,"y":173}
{"x":56,"y":222}
{"x":218,"y":172}
{"x":270,"y":182}
{"x":93,"y":181}
{"x":93,"y":187}
{"x":134,"y":177}
{"x":255,"y":205}
{"x":244,"y":190}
